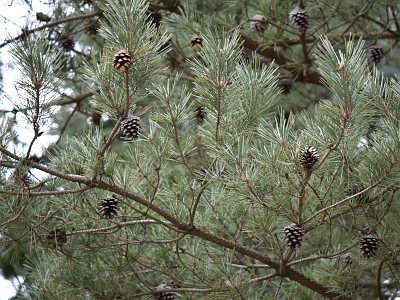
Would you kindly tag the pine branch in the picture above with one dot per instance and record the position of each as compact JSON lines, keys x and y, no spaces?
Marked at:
{"x":267,"y":52}
{"x":77,"y":99}
{"x":49,"y":25}
{"x":184,"y":227}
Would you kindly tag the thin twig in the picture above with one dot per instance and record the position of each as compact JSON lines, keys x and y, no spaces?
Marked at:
{"x":49,"y":25}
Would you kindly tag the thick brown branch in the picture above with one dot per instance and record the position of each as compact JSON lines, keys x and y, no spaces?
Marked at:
{"x":289,"y":272}
{"x":332,"y":37}
{"x":268,"y":52}
{"x":190,"y":229}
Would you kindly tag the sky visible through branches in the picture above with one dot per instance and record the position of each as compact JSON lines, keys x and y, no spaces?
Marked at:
{"x":14,"y":15}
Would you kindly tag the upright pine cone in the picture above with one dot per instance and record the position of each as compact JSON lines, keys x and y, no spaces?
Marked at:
{"x":375,"y":53}
{"x":259,"y":23}
{"x":108,"y":207}
{"x":165,"y":295}
{"x":286,"y":85}
{"x":293,"y":236}
{"x":309,"y":157}
{"x":299,"y":18}
{"x":130,"y":127}
{"x":122,"y":60}
{"x":368,"y":245}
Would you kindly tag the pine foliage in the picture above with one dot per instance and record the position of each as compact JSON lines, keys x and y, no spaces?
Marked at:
{"x":198,"y":208}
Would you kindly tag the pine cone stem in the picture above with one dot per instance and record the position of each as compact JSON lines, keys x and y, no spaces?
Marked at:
{"x":111,"y":137}
{"x":127,"y":94}
{"x":286,"y":256}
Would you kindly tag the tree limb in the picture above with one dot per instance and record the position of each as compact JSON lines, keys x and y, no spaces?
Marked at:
{"x":48,"y":25}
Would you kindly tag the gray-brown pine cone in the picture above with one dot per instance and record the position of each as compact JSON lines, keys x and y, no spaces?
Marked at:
{"x":375,"y":53}
{"x":130,"y":127}
{"x":258,"y":24}
{"x":122,"y":60}
{"x":165,"y":295}
{"x":293,"y":236}
{"x":108,"y":207}
{"x":309,"y":157}
{"x":299,"y":18}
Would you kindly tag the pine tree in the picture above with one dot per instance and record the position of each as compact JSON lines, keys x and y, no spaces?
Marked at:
{"x":205,"y":167}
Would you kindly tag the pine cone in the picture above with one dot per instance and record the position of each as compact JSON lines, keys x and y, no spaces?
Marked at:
{"x":92,"y":27}
{"x":42,"y":17}
{"x":163,"y":47}
{"x":286,"y":85}
{"x":122,"y":60}
{"x":58,"y":237}
{"x":309,"y":157}
{"x":108,"y":207}
{"x":94,"y":117}
{"x":346,"y":259}
{"x":165,"y":295}
{"x":355,"y":189}
{"x":67,"y":43}
{"x":130,"y":127}
{"x":375,"y":53}
{"x":368,"y":245}
{"x":200,"y":113}
{"x":25,"y":178}
{"x":196,"y":42}
{"x":88,"y":2}
{"x":299,"y":18}
{"x":155,"y":18}
{"x":259,"y":23}
{"x":244,"y":59}
{"x":293,"y":236}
